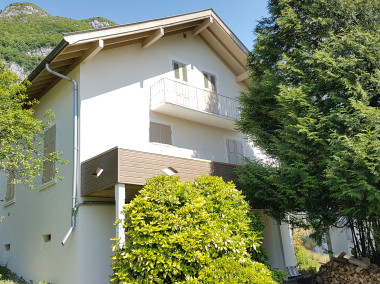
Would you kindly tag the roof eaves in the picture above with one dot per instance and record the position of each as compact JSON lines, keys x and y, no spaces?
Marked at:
{"x":229,"y":32}
{"x":105,"y":33}
{"x":49,"y":58}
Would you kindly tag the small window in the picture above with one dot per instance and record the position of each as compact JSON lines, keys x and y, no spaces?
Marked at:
{"x":10,"y":194}
{"x":209,"y":81}
{"x":160,"y":133}
{"x":180,"y":71}
{"x":7,"y":247}
{"x":234,"y":151}
{"x":46,"y":238}
{"x":49,"y":147}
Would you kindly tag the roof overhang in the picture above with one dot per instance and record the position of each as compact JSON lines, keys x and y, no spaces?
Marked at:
{"x":79,"y":47}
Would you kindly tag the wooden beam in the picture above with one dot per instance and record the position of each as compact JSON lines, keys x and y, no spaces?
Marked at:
{"x":242,"y":77}
{"x":153,"y":38}
{"x":125,"y":39}
{"x":203,"y":26}
{"x":98,"y":46}
{"x":211,"y":35}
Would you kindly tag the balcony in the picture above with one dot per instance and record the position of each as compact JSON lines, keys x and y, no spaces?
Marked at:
{"x":133,"y":168}
{"x":195,"y":104}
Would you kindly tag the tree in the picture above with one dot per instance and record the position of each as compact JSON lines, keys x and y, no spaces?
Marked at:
{"x":21,"y":147}
{"x":176,"y":231}
{"x":313,"y":106}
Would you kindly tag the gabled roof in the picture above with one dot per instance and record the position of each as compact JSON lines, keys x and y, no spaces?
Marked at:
{"x":79,"y":47}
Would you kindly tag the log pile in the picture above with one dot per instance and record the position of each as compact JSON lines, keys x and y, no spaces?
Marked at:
{"x":343,"y":269}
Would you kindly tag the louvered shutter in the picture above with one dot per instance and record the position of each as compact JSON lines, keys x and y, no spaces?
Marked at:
{"x":166,"y":134}
{"x":235,"y":151}
{"x":184,"y":73}
{"x":160,"y":133}
{"x":49,"y":147}
{"x":239,"y":151}
{"x":154,"y":132}
{"x":212,"y":80}
{"x":176,"y":70}
{"x":205,"y":80}
{"x":10,"y":194}
{"x":231,"y":151}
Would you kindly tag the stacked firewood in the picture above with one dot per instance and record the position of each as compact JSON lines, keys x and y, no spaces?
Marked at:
{"x":343,"y":269}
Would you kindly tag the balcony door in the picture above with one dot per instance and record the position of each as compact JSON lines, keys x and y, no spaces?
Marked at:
{"x":180,"y":88}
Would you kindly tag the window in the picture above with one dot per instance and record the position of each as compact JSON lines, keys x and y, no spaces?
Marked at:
{"x":10,"y":194}
{"x":209,"y":81}
{"x":160,"y":133}
{"x":234,"y":151}
{"x":49,"y":147}
{"x":180,"y":71}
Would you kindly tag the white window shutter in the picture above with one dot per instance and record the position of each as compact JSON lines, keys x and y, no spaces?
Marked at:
{"x":184,"y":73}
{"x":154,"y":132}
{"x":160,"y":133}
{"x":235,"y":151}
{"x":10,"y":194}
{"x":49,"y":147}
{"x":176,"y":70}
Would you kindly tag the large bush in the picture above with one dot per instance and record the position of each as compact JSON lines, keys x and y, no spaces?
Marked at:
{"x":175,"y":230}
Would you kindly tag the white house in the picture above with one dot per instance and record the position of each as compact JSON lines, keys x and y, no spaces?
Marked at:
{"x":150,"y":96}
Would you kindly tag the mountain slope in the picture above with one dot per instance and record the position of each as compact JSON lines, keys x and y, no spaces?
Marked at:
{"x":28,"y":34}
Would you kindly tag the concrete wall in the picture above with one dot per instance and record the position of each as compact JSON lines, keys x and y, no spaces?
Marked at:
{"x":278,"y":242}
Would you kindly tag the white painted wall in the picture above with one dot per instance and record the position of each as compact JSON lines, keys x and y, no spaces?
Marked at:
{"x":341,"y":240}
{"x":37,"y":212}
{"x":95,"y":230}
{"x":278,"y":242}
{"x":115,"y":92}
{"x":272,"y":242}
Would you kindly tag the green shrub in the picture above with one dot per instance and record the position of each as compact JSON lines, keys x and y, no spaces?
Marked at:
{"x":279,"y":276}
{"x":229,"y":270}
{"x":305,"y":263}
{"x":9,"y":277}
{"x":309,"y":243}
{"x":175,"y":230}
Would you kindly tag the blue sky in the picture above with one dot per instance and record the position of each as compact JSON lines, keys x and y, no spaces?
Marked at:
{"x":241,"y":16}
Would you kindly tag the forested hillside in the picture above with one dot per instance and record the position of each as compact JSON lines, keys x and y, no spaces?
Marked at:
{"x":28,"y":34}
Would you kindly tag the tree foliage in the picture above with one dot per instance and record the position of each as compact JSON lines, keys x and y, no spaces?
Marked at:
{"x":313,"y":105}
{"x":175,"y":230}
{"x":21,"y":147}
{"x":22,"y":35}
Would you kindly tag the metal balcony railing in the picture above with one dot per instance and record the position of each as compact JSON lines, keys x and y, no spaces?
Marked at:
{"x":170,"y":91}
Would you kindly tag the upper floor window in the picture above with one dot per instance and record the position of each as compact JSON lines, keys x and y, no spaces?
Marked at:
{"x":235,"y":151}
{"x":209,"y":81}
{"x":160,"y":133}
{"x":180,"y":71}
{"x":49,"y":147}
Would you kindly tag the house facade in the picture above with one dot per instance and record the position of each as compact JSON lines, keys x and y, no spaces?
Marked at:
{"x":151,"y":97}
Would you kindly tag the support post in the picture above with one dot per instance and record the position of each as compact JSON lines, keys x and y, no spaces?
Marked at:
{"x":119,"y":203}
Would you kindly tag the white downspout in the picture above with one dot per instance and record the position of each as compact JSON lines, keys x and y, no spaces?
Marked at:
{"x":76,"y":152}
